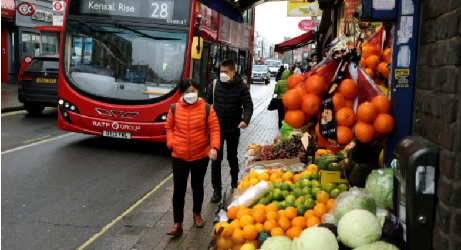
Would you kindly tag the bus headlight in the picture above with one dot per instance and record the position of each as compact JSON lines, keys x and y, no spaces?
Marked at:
{"x":65,"y":107}
{"x":161,"y":117}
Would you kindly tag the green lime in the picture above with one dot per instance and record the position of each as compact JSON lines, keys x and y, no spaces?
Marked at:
{"x":315,"y":191}
{"x":284,"y":186}
{"x":298,"y":192}
{"x":343,"y":187}
{"x":308,"y":196}
{"x":301,"y":210}
{"x":306,"y":183}
{"x":299,"y":202}
{"x":285,"y":193}
{"x":305,"y":176}
{"x":277,"y":184}
{"x":299,"y":184}
{"x":282,"y":205}
{"x":314,"y":176}
{"x":264,"y":201}
{"x":290,"y":198}
{"x":289,"y":204}
{"x":309,"y":203}
{"x":272,"y":186}
{"x":329,"y":187}
{"x":335,"y":193}
{"x":292,"y":187}
{"x":278,"y":195}
{"x":306,"y":191}
{"x":270,"y":196}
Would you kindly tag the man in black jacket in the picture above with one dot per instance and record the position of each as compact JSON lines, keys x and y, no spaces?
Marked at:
{"x":232,"y":103}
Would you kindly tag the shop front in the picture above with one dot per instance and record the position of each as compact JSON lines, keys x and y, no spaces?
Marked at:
{"x":20,"y":39}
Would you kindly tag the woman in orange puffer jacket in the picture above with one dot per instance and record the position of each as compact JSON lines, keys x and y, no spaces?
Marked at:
{"x":187,"y":129}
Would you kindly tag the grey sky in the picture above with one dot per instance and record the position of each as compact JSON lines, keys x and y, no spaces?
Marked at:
{"x":272,"y":22}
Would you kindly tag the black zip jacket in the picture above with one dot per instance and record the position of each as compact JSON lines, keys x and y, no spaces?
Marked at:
{"x":232,"y":103}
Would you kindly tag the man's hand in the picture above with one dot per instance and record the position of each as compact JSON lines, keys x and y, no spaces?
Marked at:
{"x":242,"y":125}
{"x":213,"y":154}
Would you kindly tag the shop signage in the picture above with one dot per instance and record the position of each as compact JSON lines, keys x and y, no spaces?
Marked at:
{"x":58,"y":13}
{"x":349,"y":9}
{"x":43,"y":16}
{"x":8,"y":9}
{"x":26,"y":9}
{"x":306,"y":25}
{"x":303,"y":8}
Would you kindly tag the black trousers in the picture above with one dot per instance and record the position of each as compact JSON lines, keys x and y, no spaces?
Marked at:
{"x":232,"y":143}
{"x":281,"y":111}
{"x":181,"y":170}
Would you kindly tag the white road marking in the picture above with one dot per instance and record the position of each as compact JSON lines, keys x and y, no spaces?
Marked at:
{"x":37,"y":143}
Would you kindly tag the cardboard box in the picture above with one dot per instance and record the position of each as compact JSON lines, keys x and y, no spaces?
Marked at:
{"x":331,"y":177}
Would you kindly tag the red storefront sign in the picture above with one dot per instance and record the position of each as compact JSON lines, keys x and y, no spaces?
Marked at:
{"x":306,"y":25}
{"x":349,"y":8}
{"x":26,"y":9}
{"x":8,"y":9}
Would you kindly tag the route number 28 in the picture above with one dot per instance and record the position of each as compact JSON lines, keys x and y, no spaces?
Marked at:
{"x":160,"y":10}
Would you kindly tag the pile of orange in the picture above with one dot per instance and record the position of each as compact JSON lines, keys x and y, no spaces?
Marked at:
{"x":303,"y":99}
{"x":376,"y":63}
{"x":373,"y":119}
{"x":247,"y":223}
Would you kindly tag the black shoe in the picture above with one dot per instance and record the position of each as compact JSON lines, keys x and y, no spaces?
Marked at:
{"x":217,"y":196}
{"x":234,"y":184}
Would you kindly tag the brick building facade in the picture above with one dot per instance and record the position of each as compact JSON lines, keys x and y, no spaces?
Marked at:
{"x":437,"y":109}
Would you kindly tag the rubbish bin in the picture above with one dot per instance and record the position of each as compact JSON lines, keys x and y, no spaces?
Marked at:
{"x":416,"y":163}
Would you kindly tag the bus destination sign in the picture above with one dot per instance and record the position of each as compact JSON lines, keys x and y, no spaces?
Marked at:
{"x":160,"y":10}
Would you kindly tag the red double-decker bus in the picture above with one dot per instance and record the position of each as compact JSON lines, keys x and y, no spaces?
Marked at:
{"x":121,"y":61}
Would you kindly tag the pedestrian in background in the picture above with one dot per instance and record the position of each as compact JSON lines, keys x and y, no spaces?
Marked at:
{"x":279,"y":73}
{"x":189,"y":122}
{"x":279,"y":90}
{"x":232,"y":102}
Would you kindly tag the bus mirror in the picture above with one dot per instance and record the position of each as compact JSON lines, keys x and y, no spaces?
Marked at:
{"x":197,"y":47}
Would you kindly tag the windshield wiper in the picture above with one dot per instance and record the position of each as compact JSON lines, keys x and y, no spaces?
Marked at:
{"x":143,"y":34}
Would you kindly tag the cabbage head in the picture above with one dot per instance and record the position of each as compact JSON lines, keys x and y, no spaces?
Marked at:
{"x":380,"y":184}
{"x":356,"y":198}
{"x":277,"y":243}
{"x":316,"y":238}
{"x":358,"y":228}
{"x":380,"y":245}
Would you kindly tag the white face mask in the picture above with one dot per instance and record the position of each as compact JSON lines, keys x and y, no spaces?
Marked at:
{"x":190,"y":98}
{"x":224,"y":77}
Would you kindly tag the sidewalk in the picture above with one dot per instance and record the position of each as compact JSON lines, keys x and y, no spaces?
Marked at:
{"x":10,"y":100}
{"x":146,"y":226}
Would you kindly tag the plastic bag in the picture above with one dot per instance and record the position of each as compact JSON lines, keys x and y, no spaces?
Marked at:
{"x":380,"y":184}
{"x":355,"y":198}
{"x":285,"y":131}
{"x":251,"y":195}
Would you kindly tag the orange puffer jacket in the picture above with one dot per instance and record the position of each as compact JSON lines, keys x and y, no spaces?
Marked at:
{"x":186,"y":132}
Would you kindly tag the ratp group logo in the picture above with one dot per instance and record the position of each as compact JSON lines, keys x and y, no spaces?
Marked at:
{"x":115,"y":125}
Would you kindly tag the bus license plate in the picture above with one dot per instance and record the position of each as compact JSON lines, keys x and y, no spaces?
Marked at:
{"x":46,"y":80}
{"x":115,"y":134}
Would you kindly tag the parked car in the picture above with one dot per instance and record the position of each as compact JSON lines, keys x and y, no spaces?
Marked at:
{"x":38,"y":84}
{"x":260,"y":73}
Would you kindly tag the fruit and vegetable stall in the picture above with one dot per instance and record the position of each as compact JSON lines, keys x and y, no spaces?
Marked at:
{"x":322,"y":185}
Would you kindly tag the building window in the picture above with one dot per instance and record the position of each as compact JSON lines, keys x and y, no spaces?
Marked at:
{"x":30,"y":43}
{"x":250,"y":17}
{"x":49,"y":44}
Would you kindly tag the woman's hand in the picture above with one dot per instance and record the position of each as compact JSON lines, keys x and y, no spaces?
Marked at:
{"x":213,"y":154}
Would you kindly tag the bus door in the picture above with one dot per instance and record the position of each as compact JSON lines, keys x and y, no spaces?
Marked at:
{"x":201,"y":68}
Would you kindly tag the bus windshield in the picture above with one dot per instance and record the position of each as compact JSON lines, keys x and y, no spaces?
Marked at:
{"x":119,"y":62}
{"x":273,"y":63}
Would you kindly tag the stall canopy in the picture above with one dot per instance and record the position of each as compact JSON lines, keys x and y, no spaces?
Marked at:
{"x":297,"y":42}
